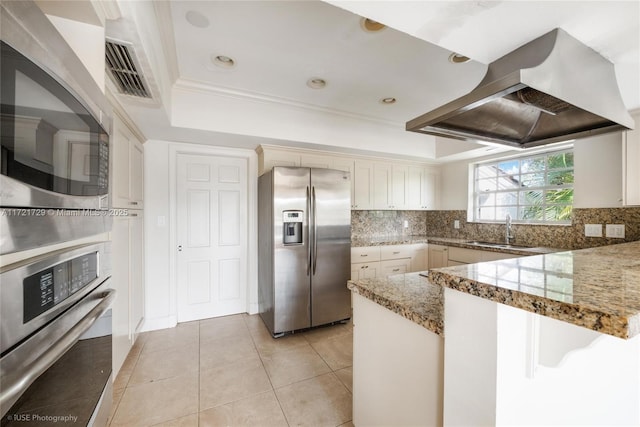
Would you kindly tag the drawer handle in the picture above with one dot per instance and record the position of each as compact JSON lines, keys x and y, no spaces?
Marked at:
{"x":396,"y":269}
{"x":364,"y":255}
{"x":396,"y":253}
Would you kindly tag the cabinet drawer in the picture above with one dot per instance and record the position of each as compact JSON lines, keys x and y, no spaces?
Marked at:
{"x":365,"y":254}
{"x":396,"y":266}
{"x":465,"y":256}
{"x":395,"y":252}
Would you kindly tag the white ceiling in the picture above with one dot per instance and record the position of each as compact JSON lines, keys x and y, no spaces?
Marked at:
{"x":278,"y":45}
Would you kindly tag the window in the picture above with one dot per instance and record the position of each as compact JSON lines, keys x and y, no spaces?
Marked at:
{"x":532,"y":189}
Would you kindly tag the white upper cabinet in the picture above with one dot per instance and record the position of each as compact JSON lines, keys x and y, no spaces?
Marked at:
{"x":421,"y":188}
{"x":399,"y":186}
{"x":631,"y":164}
{"x":363,"y":195}
{"x":128,"y":166}
{"x":375,"y":184}
{"x":390,"y":186}
{"x":382,"y":184}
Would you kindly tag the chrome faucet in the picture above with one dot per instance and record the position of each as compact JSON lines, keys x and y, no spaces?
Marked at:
{"x":508,"y":237}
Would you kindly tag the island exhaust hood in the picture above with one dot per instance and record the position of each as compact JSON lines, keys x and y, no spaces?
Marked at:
{"x":551,"y":89}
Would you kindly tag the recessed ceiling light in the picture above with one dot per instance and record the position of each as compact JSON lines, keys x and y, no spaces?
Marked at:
{"x":316,"y":83}
{"x":371,"y":26}
{"x":197,"y":19}
{"x":456,"y":58}
{"x":388,"y":100}
{"x":223,"y":61}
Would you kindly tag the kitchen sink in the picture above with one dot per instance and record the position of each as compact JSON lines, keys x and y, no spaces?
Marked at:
{"x":495,"y":245}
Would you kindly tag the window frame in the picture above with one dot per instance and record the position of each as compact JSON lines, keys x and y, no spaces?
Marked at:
{"x":517,"y":193}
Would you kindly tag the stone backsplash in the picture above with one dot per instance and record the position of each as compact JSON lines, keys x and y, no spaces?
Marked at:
{"x":368,"y":224}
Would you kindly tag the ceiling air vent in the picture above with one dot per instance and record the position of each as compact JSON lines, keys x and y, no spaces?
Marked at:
{"x":120,"y":61}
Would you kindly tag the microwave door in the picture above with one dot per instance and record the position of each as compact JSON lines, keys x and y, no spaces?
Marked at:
{"x":54,"y":153}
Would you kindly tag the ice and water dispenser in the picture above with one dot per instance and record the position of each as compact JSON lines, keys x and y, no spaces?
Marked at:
{"x":292,"y":227}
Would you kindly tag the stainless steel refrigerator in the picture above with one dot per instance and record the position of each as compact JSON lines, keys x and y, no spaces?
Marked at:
{"x":304,"y":247}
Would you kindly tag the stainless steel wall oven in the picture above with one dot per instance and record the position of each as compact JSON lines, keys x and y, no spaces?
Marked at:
{"x":55,"y":338}
{"x":55,"y":269}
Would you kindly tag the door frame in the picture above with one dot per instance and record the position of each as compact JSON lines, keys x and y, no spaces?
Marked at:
{"x":251,"y":158}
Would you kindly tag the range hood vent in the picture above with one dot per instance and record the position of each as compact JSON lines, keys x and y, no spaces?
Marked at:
{"x":552,"y":89}
{"x":121,"y":64}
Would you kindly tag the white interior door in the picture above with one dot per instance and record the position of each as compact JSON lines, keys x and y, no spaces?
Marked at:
{"x":211,"y":236}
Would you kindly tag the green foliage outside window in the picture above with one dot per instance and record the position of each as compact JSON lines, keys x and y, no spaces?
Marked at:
{"x":534,"y":189}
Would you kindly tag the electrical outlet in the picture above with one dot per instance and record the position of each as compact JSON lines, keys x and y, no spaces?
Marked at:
{"x":593,"y":230}
{"x":615,"y":231}
{"x":456,"y":223}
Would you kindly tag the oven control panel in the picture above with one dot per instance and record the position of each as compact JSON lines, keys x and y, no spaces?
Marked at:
{"x":47,"y":288}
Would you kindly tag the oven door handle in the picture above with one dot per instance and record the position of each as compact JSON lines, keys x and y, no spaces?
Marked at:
{"x":14,"y":386}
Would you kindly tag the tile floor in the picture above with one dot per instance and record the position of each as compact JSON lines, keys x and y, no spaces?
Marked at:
{"x":229,"y":371}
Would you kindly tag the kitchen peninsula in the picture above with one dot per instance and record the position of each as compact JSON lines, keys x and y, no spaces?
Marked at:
{"x":545,"y":339}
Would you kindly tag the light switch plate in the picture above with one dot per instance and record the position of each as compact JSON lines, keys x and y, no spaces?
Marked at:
{"x":593,"y":230}
{"x":615,"y":231}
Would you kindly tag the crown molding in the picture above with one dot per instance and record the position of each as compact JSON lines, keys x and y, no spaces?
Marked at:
{"x":164,"y":19}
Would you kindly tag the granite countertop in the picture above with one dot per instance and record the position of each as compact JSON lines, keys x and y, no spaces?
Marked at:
{"x":461,"y":243}
{"x":597,"y":288}
{"x":409,"y":295}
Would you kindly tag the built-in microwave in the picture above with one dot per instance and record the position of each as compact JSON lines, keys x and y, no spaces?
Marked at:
{"x":55,"y":153}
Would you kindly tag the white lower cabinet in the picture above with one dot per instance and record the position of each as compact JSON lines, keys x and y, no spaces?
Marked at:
{"x":365,"y":270}
{"x":438,"y":256}
{"x":395,"y":266}
{"x":127,"y":241}
{"x":381,"y":261}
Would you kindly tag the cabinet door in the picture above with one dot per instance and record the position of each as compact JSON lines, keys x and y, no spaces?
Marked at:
{"x":382,"y":186}
{"x":365,"y":270}
{"x":127,"y":168}
{"x":347,"y":166}
{"x":438,"y":256}
{"x":363,"y":185}
{"x":415,"y":184}
{"x":271,"y":158}
{"x":121,"y":160}
{"x":120,"y":278}
{"x":631,"y":171}
{"x":316,"y":161}
{"x":429,"y":189}
{"x":399,"y":187}
{"x":136,"y":276}
{"x":136,"y":175}
{"x":419,"y":258}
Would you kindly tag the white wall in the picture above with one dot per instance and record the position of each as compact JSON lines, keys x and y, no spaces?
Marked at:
{"x":159,"y":192}
{"x":598,"y":175}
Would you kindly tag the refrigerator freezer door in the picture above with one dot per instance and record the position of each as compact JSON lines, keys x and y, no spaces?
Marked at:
{"x":291,"y":291}
{"x":331,"y":260}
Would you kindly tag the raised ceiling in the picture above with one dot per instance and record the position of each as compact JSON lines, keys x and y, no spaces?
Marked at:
{"x":278,"y":45}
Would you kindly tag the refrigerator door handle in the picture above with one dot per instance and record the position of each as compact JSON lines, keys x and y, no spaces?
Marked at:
{"x":309,"y":234}
{"x":315,"y":229}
